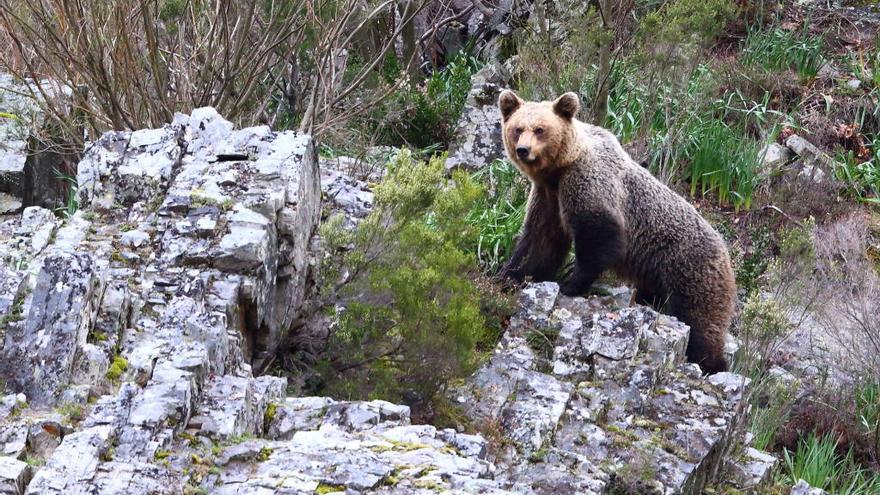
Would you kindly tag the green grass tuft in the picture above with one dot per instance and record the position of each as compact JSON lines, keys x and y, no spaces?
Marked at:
{"x":778,"y":49}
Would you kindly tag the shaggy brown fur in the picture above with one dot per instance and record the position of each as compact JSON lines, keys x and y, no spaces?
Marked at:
{"x":586,"y":189}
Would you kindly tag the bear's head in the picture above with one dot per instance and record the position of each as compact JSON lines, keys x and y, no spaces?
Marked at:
{"x":538,"y":135}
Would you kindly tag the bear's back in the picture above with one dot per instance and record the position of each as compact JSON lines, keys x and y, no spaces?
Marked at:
{"x":659,"y":223}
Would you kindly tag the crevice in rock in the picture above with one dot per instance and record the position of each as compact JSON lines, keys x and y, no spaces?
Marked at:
{"x":256,"y":336}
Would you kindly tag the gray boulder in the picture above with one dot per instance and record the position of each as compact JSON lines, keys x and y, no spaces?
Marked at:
{"x":477,"y":140}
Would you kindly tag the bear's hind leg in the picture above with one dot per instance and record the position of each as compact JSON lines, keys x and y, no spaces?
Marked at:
{"x":648,"y":297}
{"x":706,"y":342}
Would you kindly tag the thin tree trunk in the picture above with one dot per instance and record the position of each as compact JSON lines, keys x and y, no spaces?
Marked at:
{"x":408,"y":36}
{"x":600,"y":102}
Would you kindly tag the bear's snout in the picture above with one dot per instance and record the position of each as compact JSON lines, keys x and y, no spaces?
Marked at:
{"x":522,"y":151}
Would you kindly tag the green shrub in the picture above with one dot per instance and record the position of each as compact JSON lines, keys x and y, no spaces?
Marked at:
{"x":763,"y":324}
{"x":409,"y":317}
{"x":764,"y":317}
{"x":778,"y":49}
{"x":430,"y":111}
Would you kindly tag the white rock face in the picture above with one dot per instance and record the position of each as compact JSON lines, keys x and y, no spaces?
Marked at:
{"x":140,"y":299}
{"x":14,"y":476}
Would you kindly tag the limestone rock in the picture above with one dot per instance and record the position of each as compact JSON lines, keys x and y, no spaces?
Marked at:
{"x":477,"y":140}
{"x":617,"y":401}
{"x":773,"y":156}
{"x":349,"y":197}
{"x":38,"y":355}
{"x":74,"y":462}
{"x":804,"y":488}
{"x":816,"y":164}
{"x":9,"y":203}
{"x":123,"y":168}
{"x":14,"y":476}
{"x":752,"y":470}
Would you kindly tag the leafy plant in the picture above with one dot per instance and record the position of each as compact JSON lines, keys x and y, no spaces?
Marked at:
{"x":817,"y":462}
{"x":723,"y":162}
{"x":436,"y":107}
{"x":867,"y":395}
{"x":862,"y":180}
{"x":71,"y":205}
{"x":499,"y":214}
{"x":778,"y":49}
{"x":866,"y":65}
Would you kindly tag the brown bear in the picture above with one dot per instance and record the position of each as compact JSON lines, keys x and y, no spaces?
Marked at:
{"x":587,"y":189}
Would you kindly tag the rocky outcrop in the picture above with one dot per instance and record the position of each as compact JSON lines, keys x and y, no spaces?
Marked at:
{"x":158,"y":299}
{"x":595,"y":398}
{"x":477,"y":140}
{"x":134,"y":332}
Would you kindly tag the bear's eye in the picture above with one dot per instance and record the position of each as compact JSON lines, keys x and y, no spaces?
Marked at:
{"x":539,"y":131}
{"x":518,"y":130}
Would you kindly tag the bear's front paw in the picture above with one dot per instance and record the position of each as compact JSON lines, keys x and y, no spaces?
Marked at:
{"x":571,"y":289}
{"x":509,"y":280}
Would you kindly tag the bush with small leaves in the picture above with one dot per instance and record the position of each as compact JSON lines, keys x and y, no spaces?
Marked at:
{"x":408,"y":314}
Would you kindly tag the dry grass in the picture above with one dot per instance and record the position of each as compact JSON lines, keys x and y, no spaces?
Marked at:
{"x":851,"y":309}
{"x":134,"y":63}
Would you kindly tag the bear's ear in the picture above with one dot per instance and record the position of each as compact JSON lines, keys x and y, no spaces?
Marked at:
{"x":567,"y":105}
{"x":508,"y":102}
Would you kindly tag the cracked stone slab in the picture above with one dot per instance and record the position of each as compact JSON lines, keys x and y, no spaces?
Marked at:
{"x":73,"y":462}
{"x":751,"y":470}
{"x":532,"y":413}
{"x":124,"y":167}
{"x":620,"y":401}
{"x":39,"y":353}
{"x":309,"y":413}
{"x":235,"y":406}
{"x":408,"y":458}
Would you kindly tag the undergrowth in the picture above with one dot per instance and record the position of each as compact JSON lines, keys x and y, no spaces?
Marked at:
{"x":499,"y":214}
{"x":423,"y":114}
{"x":778,"y":49}
{"x":403,"y":290}
{"x":817,"y":461}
